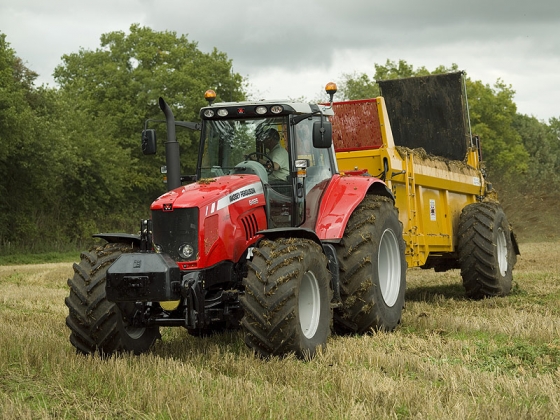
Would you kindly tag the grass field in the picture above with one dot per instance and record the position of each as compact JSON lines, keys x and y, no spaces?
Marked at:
{"x":450,"y":358}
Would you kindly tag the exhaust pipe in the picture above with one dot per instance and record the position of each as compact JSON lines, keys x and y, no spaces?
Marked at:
{"x":172,"y":153}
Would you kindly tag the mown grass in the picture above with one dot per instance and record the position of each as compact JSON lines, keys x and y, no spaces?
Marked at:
{"x":39,"y":258}
{"x":450,"y":358}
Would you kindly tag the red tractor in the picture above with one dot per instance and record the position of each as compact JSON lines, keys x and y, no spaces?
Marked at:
{"x":286,"y":258}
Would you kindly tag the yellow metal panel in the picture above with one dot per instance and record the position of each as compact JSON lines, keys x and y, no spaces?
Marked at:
{"x":430,"y":192}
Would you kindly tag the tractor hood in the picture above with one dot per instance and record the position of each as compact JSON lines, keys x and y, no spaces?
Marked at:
{"x":212,"y":194}
{"x":216,"y":218}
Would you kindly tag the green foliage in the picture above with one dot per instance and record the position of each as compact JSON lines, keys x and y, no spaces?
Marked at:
{"x":358,"y":86}
{"x":542,"y":143}
{"x":70,"y":161}
{"x":56,"y":173}
{"x":554,"y":142}
{"x":492,"y":112}
{"x":32,"y":153}
{"x":118,"y":86}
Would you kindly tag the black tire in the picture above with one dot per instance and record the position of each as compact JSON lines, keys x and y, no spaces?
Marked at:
{"x":372,"y":269}
{"x":486,"y":250}
{"x":96,"y":324}
{"x":287,"y":299}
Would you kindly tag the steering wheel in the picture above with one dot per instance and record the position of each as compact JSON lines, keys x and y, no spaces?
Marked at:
{"x":268,"y":165}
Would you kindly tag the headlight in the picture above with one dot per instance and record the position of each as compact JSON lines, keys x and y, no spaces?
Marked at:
{"x":260,"y":110}
{"x":186,"y":251}
{"x":208,"y":113}
{"x":222,"y":112}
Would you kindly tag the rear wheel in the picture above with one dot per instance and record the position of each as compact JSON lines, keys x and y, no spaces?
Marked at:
{"x":486,"y":250}
{"x":287,"y":298}
{"x":372,"y":269}
{"x":96,"y":324}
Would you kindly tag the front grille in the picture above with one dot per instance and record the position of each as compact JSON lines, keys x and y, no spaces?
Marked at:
{"x":250,"y":225}
{"x":171,"y":229}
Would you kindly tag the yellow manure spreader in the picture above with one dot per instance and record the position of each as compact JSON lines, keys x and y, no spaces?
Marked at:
{"x":417,"y":138}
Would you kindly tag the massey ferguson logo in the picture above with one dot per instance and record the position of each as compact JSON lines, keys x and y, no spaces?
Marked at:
{"x":241,"y":194}
{"x":167,"y":207}
{"x":251,"y":191}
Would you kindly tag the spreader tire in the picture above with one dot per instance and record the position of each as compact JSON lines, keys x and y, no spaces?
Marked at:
{"x":287,"y":298}
{"x":486,"y":250}
{"x":372,"y":269}
{"x":97,"y":325}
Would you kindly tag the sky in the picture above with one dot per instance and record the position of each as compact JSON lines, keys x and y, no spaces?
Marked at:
{"x":292,"y":48}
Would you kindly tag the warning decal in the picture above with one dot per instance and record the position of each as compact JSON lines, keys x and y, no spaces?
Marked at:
{"x":432,"y":210}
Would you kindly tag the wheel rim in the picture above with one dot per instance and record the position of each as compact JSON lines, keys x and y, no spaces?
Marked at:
{"x":309,"y":305}
{"x":133,"y":332}
{"x":501,"y":248}
{"x":389,"y":267}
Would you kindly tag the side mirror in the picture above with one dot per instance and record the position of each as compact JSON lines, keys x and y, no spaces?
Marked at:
{"x":149,"y":142}
{"x":322,"y":134}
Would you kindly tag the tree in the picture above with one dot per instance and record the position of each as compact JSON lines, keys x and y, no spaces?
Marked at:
{"x":32,"y":153}
{"x":70,"y":159}
{"x":358,"y":86}
{"x":118,"y":85}
{"x":492,"y":112}
{"x":542,"y":145}
{"x":554,"y":125}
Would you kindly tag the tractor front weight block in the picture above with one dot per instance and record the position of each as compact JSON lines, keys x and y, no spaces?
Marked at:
{"x":143,"y":277}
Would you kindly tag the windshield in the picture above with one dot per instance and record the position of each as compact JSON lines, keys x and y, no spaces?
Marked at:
{"x":227,"y":143}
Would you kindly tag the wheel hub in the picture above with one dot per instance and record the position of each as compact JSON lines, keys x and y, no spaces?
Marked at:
{"x":501,"y":248}
{"x":309,"y":305}
{"x":389,"y":267}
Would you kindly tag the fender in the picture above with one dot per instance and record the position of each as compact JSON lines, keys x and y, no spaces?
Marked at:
{"x":289,"y":232}
{"x":125,"y":238}
{"x":342,"y":196}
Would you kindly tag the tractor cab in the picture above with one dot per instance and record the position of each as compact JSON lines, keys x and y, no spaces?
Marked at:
{"x":287,"y":145}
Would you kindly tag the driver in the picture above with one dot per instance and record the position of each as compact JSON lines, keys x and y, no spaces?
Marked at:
{"x":276,"y":153}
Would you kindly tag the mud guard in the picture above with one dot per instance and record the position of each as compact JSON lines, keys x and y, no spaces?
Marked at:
{"x":514,"y":243}
{"x":122,"y":238}
{"x":342,"y":196}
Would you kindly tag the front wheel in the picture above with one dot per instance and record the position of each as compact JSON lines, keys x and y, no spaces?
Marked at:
{"x":287,"y":298}
{"x":486,"y":250}
{"x":96,"y":324}
{"x":372,"y":269}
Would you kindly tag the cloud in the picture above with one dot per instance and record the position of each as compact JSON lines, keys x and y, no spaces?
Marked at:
{"x":292,"y":48}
